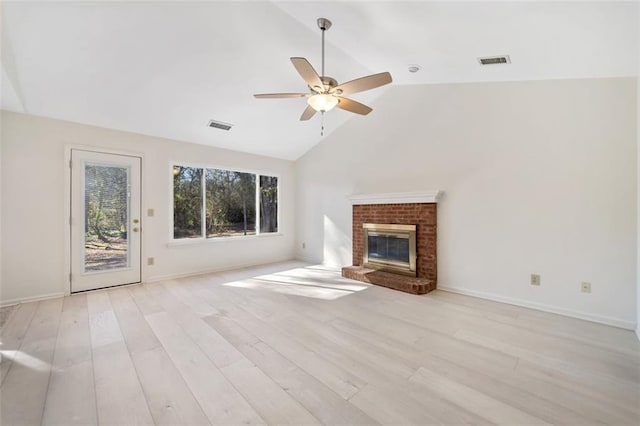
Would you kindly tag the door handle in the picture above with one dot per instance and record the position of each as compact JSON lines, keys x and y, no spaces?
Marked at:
{"x":136,"y":220}
{"x":135,"y":229}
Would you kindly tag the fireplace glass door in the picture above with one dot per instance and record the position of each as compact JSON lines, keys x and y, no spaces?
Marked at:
{"x":390,"y":247}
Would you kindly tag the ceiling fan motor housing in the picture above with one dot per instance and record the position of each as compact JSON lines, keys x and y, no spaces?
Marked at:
{"x":328,"y":82}
{"x":324,"y":24}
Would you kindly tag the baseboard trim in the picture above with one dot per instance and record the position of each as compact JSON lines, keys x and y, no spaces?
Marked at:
{"x":308,"y":259}
{"x":615,"y":322}
{"x":213,"y":270}
{"x":19,"y":300}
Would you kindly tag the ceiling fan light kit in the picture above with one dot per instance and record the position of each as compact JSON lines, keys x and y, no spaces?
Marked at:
{"x":322,"y":102}
{"x":324,"y":92}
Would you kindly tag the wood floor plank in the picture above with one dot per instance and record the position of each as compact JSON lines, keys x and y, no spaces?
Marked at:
{"x":217,"y":349}
{"x":604,"y":372}
{"x":196,"y":305}
{"x":220,"y":401}
{"x":71,"y":398}
{"x":71,"y":395}
{"x":103,"y":322}
{"x":119,"y":395}
{"x":598,"y":400}
{"x":364,"y":361}
{"x":274,"y":404}
{"x":478,"y":402}
{"x":608,"y":337}
{"x":12,"y":335}
{"x":318,"y":399}
{"x":329,"y":373}
{"x":170,"y":400}
{"x":144,"y":303}
{"x":332,"y":375}
{"x":356,"y":359}
{"x":24,"y":390}
{"x":135,"y":330}
{"x":388,"y":408}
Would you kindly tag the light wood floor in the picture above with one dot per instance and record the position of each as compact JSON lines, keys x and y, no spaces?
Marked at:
{"x":294,"y":344}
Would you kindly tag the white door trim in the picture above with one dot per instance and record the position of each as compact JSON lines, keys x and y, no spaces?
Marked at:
{"x":66,"y":278}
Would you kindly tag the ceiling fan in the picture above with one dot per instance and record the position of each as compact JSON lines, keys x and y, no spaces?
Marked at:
{"x":325,"y":92}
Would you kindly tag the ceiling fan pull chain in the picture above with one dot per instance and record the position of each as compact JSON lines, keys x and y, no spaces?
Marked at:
{"x":322,"y":124}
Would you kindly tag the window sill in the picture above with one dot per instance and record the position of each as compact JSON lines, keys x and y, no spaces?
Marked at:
{"x":200,"y":241}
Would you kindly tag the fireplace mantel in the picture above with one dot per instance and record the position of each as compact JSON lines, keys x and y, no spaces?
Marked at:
{"x":397,"y":198}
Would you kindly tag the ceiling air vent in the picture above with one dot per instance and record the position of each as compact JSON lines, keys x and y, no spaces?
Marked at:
{"x":493,"y":60}
{"x":220,"y":125}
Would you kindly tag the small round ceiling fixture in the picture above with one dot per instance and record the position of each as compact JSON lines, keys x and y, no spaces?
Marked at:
{"x":413,"y":68}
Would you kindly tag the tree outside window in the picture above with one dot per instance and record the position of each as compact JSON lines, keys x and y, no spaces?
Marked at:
{"x":223,"y":203}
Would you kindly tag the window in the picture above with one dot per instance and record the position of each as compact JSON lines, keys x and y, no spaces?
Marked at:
{"x":231,"y":203}
{"x":269,"y":204}
{"x":187,"y":202}
{"x":212,"y":203}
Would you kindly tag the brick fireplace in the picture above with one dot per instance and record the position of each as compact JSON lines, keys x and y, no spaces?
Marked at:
{"x":419,"y":209}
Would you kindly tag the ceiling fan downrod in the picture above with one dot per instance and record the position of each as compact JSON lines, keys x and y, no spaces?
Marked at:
{"x":324,"y":24}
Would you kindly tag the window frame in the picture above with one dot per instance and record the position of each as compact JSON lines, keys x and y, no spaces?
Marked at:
{"x":203,"y":225}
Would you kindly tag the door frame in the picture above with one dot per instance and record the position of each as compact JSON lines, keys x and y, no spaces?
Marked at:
{"x":66,"y":278}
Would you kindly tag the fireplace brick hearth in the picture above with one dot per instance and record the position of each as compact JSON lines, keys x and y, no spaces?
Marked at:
{"x":424,"y":216}
{"x":390,"y":280}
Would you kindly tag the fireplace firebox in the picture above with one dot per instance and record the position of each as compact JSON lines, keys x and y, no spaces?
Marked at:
{"x":390,"y":247}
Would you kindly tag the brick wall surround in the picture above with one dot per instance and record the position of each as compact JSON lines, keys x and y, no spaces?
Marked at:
{"x":421,"y":214}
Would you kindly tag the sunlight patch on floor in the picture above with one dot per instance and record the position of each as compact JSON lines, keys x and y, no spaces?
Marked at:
{"x":25,"y":360}
{"x":301,"y":282}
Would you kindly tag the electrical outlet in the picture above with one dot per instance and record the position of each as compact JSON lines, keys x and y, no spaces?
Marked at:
{"x":304,"y":245}
{"x":535,"y":279}
{"x":150,"y":212}
{"x":151,"y":261}
{"x":586,"y":287}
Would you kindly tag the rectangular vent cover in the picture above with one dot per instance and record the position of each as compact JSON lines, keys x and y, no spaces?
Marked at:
{"x":492,"y":60}
{"x":220,"y":125}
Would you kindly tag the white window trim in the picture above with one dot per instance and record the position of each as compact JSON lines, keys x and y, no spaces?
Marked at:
{"x":173,"y":242}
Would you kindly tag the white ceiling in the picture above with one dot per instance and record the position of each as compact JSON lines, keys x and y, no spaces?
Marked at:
{"x":167,"y":68}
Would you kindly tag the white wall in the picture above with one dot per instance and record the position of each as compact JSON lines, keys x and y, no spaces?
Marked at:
{"x":33,"y":207}
{"x":1,"y":210}
{"x":540,"y":177}
{"x":638,"y":194}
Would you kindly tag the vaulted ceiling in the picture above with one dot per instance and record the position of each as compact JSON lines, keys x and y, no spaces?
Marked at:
{"x":166,"y":68}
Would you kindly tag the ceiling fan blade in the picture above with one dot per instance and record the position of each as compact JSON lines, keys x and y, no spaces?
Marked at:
{"x":279,"y":95}
{"x":353,"y":106}
{"x":307,"y":72}
{"x":363,"y":83}
{"x":308,"y":113}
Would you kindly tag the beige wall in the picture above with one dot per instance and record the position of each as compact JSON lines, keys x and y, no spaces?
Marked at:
{"x":33,"y":205}
{"x":539,"y":177}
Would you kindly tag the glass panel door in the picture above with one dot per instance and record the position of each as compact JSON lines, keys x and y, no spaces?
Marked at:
{"x":105,"y":220}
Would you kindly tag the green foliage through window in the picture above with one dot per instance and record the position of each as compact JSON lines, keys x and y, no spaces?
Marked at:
{"x":268,"y":204}
{"x":187,"y":202}
{"x":229,"y":204}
